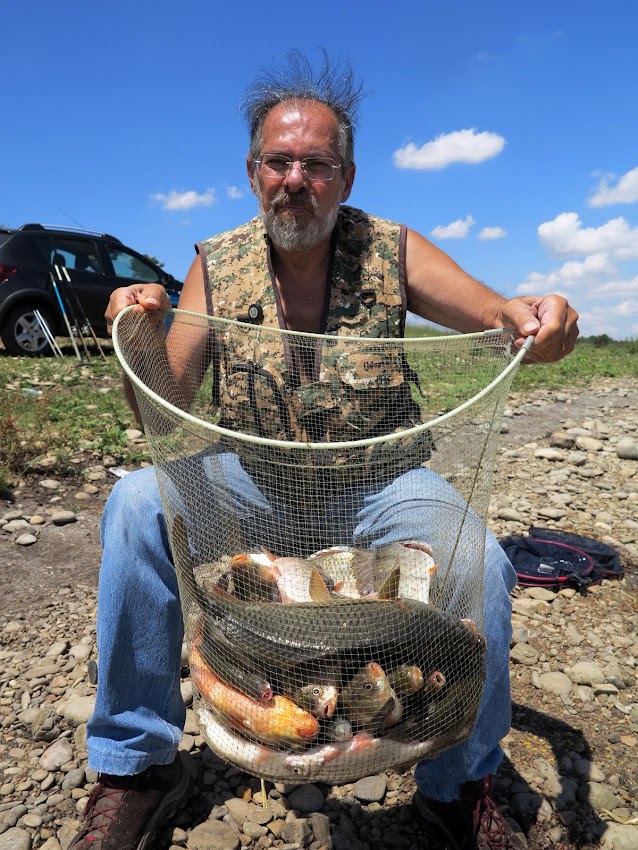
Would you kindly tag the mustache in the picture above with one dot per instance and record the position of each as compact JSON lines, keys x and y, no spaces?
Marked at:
{"x":303,"y":196}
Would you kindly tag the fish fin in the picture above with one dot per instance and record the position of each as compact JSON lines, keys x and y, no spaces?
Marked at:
{"x":433,"y":569}
{"x":363,"y":570}
{"x":389,"y":590}
{"x":268,"y":554}
{"x":319,"y":591}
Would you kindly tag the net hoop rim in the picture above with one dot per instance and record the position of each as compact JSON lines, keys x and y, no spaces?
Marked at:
{"x":296,"y":444}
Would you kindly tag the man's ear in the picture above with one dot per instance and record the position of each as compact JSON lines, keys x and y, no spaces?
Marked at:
{"x":252,"y":173}
{"x":347,"y":184}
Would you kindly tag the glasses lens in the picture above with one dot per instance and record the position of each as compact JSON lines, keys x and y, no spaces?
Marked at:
{"x":274,"y":165}
{"x":319,"y":168}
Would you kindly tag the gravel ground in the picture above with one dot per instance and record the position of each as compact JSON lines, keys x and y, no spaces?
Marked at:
{"x":570,"y":778}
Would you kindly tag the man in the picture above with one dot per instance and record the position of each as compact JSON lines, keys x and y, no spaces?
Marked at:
{"x":301,"y":168}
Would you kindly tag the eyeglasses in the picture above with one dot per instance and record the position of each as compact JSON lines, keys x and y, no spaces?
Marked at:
{"x":275,"y":165}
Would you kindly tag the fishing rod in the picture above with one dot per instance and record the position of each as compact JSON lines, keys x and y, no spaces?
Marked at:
{"x":46,"y":330}
{"x":72,"y":313}
{"x":64,"y":314}
{"x":83,"y":315}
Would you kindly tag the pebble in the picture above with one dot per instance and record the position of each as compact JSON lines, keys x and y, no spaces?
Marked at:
{"x":574,"y":669}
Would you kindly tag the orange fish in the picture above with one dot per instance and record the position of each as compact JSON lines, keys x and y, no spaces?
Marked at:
{"x":280,"y":722}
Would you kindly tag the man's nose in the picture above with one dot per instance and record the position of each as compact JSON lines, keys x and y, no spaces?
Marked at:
{"x":295,"y":178}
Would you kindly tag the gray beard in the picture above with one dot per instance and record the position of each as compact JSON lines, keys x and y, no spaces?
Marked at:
{"x":289,"y":233}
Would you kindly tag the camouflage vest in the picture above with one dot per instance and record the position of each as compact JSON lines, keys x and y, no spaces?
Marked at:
{"x":343,"y":394}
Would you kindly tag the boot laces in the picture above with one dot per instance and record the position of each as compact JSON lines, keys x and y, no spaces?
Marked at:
{"x":490,"y":827}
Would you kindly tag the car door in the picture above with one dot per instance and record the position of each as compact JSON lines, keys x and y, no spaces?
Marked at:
{"x":87,"y":280}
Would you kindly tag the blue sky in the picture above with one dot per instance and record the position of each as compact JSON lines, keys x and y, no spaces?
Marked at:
{"x":506,"y":132}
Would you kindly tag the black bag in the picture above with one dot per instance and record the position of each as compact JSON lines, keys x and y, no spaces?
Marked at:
{"x":555,"y":559}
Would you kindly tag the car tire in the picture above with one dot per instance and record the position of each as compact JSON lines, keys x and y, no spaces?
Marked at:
{"x":22,"y":334}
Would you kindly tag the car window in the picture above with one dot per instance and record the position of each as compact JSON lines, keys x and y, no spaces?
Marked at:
{"x":79,"y":255}
{"x":131,"y":267}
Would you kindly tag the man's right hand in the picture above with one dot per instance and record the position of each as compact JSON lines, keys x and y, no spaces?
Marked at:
{"x":149,"y":297}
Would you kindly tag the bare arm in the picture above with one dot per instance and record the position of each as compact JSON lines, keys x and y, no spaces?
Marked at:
{"x":439,"y":290}
{"x":185,"y":349}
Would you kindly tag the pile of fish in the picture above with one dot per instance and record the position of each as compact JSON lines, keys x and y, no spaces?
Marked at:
{"x":333,"y":666}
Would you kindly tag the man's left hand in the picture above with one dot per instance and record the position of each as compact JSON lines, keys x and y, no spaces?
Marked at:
{"x":549,"y":318}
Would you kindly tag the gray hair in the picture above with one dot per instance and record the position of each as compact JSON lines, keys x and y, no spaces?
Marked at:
{"x":335,"y":87}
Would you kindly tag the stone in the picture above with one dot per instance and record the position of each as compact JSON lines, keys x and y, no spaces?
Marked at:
{"x":627,"y":449}
{"x":556,"y":683}
{"x":306,"y":799}
{"x":370,"y":789}
{"x":213,"y":835}
{"x":63,"y":517}
{"x":523,"y":653}
{"x":15,"y":839}
{"x":56,"y":755}
{"x":586,"y":673}
{"x":598,"y":795}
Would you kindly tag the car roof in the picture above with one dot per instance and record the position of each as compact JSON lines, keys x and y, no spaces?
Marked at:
{"x":68,"y":230}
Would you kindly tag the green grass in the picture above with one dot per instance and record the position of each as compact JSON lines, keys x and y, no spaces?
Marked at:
{"x":82,"y":416}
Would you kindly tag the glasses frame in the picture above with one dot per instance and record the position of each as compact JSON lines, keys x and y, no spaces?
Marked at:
{"x":303,"y":163}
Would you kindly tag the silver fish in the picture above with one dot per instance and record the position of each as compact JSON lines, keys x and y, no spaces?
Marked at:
{"x":416,"y":564}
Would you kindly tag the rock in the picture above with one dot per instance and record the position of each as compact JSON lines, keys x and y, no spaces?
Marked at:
{"x":63,"y":517}
{"x":586,"y":673}
{"x":523,"y":653}
{"x":56,"y":755}
{"x":79,"y":709}
{"x":627,"y":449}
{"x":213,"y":835}
{"x":619,"y":836}
{"x":371,"y":789}
{"x":306,"y":799}
{"x":598,"y":795}
{"x":15,"y":839}
{"x":556,"y":683}
{"x":26,"y":539}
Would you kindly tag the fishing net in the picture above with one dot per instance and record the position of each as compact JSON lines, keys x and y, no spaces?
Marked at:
{"x":326,"y":498}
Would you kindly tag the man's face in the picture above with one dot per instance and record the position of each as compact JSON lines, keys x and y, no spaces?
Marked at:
{"x":299,"y":213}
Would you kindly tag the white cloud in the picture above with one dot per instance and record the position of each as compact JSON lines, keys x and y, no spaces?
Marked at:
{"x":185,"y":200}
{"x":234,"y":193}
{"x":566,"y":235}
{"x":492,"y":233}
{"x":617,"y":289}
{"x":459,"y":146}
{"x":456,"y":230}
{"x":574,"y":273}
{"x":624,"y":192}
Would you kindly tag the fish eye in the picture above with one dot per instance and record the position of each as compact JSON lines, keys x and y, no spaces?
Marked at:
{"x":316,"y":692}
{"x":368,"y":686}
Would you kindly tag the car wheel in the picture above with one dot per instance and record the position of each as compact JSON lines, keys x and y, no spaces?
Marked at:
{"x":22,"y":333}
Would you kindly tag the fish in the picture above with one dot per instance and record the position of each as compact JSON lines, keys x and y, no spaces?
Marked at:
{"x":238,"y":671}
{"x":434,"y":682}
{"x":416,"y":564}
{"x":309,"y":762}
{"x":280,"y":722}
{"x":406,"y":679}
{"x":252,"y":579}
{"x":248,"y":755}
{"x":313,"y":685}
{"x":297,"y":580}
{"x":368,"y":698}
{"x":339,"y":729}
{"x":294,"y":633}
{"x":350,"y":571}
{"x":363,"y":755}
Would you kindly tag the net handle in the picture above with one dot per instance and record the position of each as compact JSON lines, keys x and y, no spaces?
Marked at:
{"x":292,"y":444}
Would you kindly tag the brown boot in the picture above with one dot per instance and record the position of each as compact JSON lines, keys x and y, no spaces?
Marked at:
{"x":123,"y":812}
{"x":471,"y":823}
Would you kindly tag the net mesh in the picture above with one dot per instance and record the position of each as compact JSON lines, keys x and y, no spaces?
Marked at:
{"x":326,"y":501}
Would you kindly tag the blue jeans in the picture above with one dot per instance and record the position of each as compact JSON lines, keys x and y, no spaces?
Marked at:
{"x":139,"y":713}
